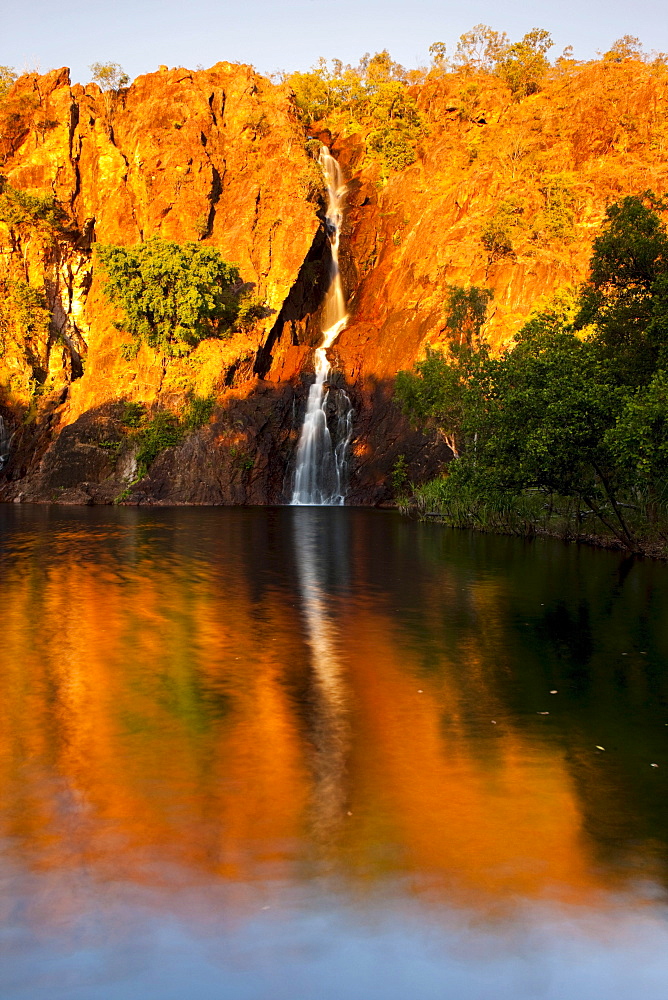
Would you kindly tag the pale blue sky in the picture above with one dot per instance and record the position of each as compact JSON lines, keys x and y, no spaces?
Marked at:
{"x":291,"y":34}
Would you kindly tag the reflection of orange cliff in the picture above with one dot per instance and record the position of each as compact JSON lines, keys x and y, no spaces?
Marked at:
{"x":153,"y":717}
{"x":485,"y":813}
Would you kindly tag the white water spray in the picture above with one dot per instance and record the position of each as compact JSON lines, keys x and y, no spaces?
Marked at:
{"x":322,"y":456}
{"x":5,"y":444}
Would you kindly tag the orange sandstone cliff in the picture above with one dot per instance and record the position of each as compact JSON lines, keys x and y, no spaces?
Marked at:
{"x":220,"y":156}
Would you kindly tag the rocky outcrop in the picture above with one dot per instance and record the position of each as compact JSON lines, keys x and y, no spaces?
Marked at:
{"x":504,"y":195}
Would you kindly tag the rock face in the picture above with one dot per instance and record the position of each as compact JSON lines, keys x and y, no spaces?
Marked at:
{"x":220,"y":156}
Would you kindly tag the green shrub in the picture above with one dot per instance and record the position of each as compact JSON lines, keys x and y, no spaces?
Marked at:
{"x":241,"y":459}
{"x":19,"y":209}
{"x":399,"y":476}
{"x":132,"y":414}
{"x":198,"y":412}
{"x":498,"y":233}
{"x":173,"y":296}
{"x":163,"y":431}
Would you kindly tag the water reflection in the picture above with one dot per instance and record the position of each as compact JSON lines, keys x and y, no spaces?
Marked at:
{"x":321,"y":553}
{"x":339,"y":715}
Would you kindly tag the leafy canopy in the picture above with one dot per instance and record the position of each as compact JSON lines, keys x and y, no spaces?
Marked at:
{"x":19,"y":210}
{"x":372,"y":96}
{"x":577,"y":410}
{"x":7,"y":78}
{"x":172,"y":295}
{"x":626,"y":297}
{"x":523,"y":64}
{"x":109,"y":76}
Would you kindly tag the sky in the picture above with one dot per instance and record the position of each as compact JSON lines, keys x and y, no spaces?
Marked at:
{"x":291,"y":34}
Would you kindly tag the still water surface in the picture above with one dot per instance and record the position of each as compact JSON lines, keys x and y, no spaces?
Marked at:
{"x":314,"y":754}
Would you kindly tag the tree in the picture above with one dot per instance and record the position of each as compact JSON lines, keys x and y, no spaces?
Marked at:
{"x":639,"y":439}
{"x":626,"y":47}
{"x":480,"y":49}
{"x":467,"y":311}
{"x":172,"y":296}
{"x":523,"y":64}
{"x":498,"y":232}
{"x":44,"y":124}
{"x":381,"y":68}
{"x":437,"y":52}
{"x":437,"y":394}
{"x":374,"y":95}
{"x":25,"y":214}
{"x":109,"y":76}
{"x":16,"y":115}
{"x":313,"y":95}
{"x":626,"y":296}
{"x":7,"y":78}
{"x":396,"y":125}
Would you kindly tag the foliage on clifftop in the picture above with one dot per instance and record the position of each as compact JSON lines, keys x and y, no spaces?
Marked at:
{"x":568,"y":430}
{"x":379,"y":98}
{"x":372,"y":97}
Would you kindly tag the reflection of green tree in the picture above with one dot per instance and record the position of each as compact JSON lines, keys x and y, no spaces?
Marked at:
{"x":590,"y":625}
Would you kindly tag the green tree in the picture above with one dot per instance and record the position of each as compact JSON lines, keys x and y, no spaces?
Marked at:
{"x":467,"y":312}
{"x":577,"y":410}
{"x":381,"y":68}
{"x":480,"y":49}
{"x":437,"y":54}
{"x":523,"y":64}
{"x":109,"y":76}
{"x":396,"y":125}
{"x":499,"y":231}
{"x":313,"y":95}
{"x":438,"y":394}
{"x":626,"y":296}
{"x":626,"y":47}
{"x":173,"y":296}
{"x":7,"y":78}
{"x":549,"y":404}
{"x":17,"y":112}
{"x":639,"y":438}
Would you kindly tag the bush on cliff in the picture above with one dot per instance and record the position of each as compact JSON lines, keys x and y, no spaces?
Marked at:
{"x":22,"y":213}
{"x":173,"y":295}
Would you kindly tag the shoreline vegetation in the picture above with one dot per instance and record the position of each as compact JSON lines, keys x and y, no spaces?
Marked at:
{"x":565,"y":432}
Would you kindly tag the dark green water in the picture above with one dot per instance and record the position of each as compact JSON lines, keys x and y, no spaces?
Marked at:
{"x":324,"y":752}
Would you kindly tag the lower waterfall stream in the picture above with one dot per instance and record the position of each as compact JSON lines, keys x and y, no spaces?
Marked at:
{"x":5,"y":443}
{"x":324,"y":442}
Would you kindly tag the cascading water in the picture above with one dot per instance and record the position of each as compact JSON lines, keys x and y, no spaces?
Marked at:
{"x":322,"y":452}
{"x":5,"y":444}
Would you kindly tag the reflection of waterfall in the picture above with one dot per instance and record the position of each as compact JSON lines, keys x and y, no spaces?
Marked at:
{"x":5,"y":442}
{"x":330,"y":716}
{"x":322,"y":453}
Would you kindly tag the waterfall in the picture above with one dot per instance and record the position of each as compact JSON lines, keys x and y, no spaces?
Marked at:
{"x":322,"y":452}
{"x":5,"y":443}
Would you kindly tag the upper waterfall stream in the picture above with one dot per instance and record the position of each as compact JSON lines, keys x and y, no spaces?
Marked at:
{"x":322,"y":452}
